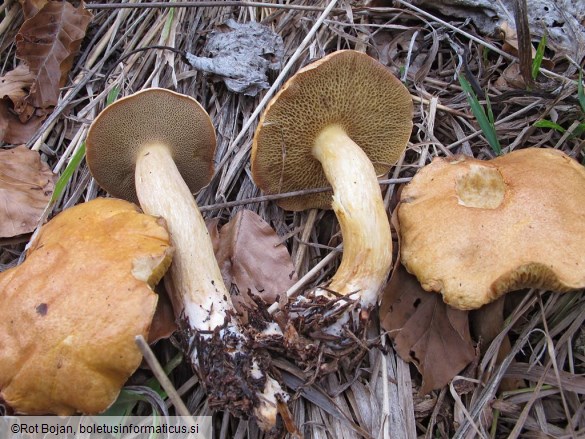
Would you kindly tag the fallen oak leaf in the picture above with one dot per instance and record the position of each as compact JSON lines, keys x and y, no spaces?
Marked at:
{"x":15,"y":86}
{"x":252,"y":258}
{"x":16,"y":83}
{"x":30,"y":8}
{"x":26,"y":185}
{"x":12,"y":129}
{"x":163,"y":322}
{"x":48,"y":43}
{"x":425,"y":330}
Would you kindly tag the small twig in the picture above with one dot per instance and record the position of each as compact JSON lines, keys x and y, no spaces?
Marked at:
{"x":307,"y":277}
{"x":162,"y":378}
{"x":524,"y":44}
{"x":274,"y":197}
{"x":276,"y":85}
{"x":208,"y":4}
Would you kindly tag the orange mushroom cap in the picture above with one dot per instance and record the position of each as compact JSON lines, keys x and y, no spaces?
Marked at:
{"x":70,"y":312}
{"x":474,"y":230}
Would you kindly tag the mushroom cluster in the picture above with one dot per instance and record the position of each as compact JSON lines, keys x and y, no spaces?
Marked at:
{"x":157,"y":146}
{"x":474,"y":230}
{"x":70,"y":312}
{"x":340,"y":121}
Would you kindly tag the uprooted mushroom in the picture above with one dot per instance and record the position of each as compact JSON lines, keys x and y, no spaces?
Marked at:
{"x":474,"y":230}
{"x":341,"y":121}
{"x":70,"y":312}
{"x":157,"y":146}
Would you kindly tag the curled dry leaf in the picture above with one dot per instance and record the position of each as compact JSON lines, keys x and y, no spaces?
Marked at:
{"x":425,"y":330}
{"x":69,"y":314}
{"x":31,"y":7}
{"x":12,"y":130}
{"x":48,"y":42}
{"x":16,"y":83}
{"x":163,"y":322}
{"x":26,"y":186}
{"x":510,"y":45}
{"x":18,"y":120}
{"x":253,"y":259}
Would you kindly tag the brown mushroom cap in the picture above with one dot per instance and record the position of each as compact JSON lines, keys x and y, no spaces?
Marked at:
{"x":70,"y":312}
{"x":150,"y":116}
{"x":345,"y":88}
{"x":474,"y":230}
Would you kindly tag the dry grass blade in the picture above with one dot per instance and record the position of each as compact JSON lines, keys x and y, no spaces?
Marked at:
{"x":381,"y":399}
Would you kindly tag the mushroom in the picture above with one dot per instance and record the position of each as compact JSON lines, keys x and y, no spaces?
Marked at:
{"x":70,"y":312}
{"x":157,"y":146}
{"x":474,"y":230}
{"x":340,"y":121}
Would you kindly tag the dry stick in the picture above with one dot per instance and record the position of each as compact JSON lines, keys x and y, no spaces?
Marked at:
{"x":492,"y":384}
{"x":524,"y":43}
{"x":302,"y":250}
{"x":161,"y":376}
{"x":273,"y":197}
{"x":476,"y":39}
{"x":295,"y":56}
{"x":203,"y":4}
{"x":307,"y":277}
{"x":441,"y":107}
{"x":9,"y":17}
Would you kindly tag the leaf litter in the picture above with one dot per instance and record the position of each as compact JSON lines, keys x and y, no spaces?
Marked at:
{"x":26,"y":186}
{"x":414,"y":42}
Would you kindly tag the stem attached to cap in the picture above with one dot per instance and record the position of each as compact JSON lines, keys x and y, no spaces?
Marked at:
{"x":199,"y":291}
{"x":358,"y":204}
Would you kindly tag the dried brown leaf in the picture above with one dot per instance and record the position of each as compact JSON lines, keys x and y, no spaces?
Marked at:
{"x":15,"y":131}
{"x":30,"y":8}
{"x":163,"y":323}
{"x":16,"y":83}
{"x":510,"y":45}
{"x":253,"y":259}
{"x":48,"y":43}
{"x":26,"y":186}
{"x":427,"y":332}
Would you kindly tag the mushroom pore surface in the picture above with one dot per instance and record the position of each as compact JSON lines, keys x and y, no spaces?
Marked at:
{"x":347,"y":89}
{"x":150,"y":117}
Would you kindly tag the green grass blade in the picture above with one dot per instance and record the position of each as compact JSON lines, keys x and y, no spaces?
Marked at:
{"x":549,"y":124}
{"x":490,"y":113}
{"x":486,"y":126}
{"x":168,"y":23}
{"x":112,"y":95}
{"x":68,"y":173}
{"x":78,"y":155}
{"x":537,"y":61}
{"x":580,"y":91}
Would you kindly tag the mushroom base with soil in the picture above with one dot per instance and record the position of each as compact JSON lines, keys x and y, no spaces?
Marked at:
{"x":342,"y":306}
{"x":233,"y":371}
{"x":341,"y":120}
{"x":157,"y":147}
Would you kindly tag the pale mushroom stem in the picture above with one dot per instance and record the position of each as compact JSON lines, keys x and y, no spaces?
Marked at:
{"x":195,"y":274}
{"x":198,"y":285}
{"x":358,"y":204}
